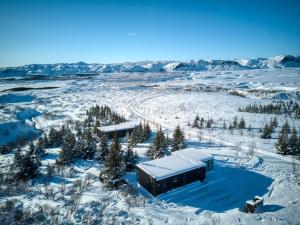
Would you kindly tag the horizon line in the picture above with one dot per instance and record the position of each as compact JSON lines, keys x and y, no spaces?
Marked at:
{"x":140,"y":61}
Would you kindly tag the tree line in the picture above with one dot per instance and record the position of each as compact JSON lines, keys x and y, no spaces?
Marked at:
{"x":103,"y":116}
{"x":79,"y":140}
{"x":96,"y":116}
{"x":277,"y":107}
{"x":201,"y":123}
{"x":288,"y":141}
{"x":237,"y":123}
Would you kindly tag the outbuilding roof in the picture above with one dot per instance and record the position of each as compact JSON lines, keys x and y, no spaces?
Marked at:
{"x":121,"y":126}
{"x":171,"y":165}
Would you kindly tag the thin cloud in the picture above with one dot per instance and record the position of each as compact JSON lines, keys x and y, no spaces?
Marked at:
{"x":131,"y":34}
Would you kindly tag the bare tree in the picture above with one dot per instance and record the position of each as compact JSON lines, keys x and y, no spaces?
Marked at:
{"x":237,"y":150}
{"x":251,"y":150}
{"x":200,"y":135}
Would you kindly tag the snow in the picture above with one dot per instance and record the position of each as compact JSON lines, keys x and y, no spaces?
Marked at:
{"x":120,"y":126}
{"x":27,"y":114}
{"x":13,"y":98}
{"x":169,"y":166}
{"x":167,"y":99}
{"x":16,"y":130}
{"x":193,"y":155}
{"x":250,"y":202}
{"x":179,"y":162}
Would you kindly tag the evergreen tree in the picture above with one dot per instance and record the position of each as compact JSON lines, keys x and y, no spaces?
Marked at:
{"x":114,"y":166}
{"x":140,"y":133}
{"x":224,"y":125}
{"x":249,"y":128}
{"x":168,"y":142}
{"x":266,"y":132}
{"x":26,"y":165}
{"x":18,"y":156}
{"x":55,"y":138}
{"x":131,"y":141}
{"x":80,"y":146}
{"x":146,"y":133}
{"x":46,"y":141}
{"x":178,"y":139}
{"x":235,"y":122}
{"x":95,"y":129}
{"x":274,"y":122}
{"x":196,"y":122}
{"x":242,"y":123}
{"x":130,"y":158}
{"x":40,"y":142}
{"x":282,"y":144}
{"x":201,"y":123}
{"x":78,"y":129}
{"x":98,"y":124}
{"x":159,"y":146}
{"x":293,"y":142}
{"x":298,"y":148}
{"x":209,"y":123}
{"x":67,"y":153}
{"x":40,"y":151}
{"x":31,"y":148}
{"x":287,"y":127}
{"x":52,"y":138}
{"x":103,"y":147}
{"x":4,"y":149}
{"x":61,"y":133}
{"x":134,"y":137}
{"x":91,"y":144}
{"x":40,"y":148}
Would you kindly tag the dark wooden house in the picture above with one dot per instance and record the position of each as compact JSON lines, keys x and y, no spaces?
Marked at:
{"x":120,"y":129}
{"x":161,"y":175}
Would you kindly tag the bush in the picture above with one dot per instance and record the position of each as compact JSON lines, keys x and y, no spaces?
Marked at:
{"x":4,"y":149}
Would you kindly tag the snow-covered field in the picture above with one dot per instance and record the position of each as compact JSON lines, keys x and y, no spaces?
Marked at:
{"x":245,"y":164}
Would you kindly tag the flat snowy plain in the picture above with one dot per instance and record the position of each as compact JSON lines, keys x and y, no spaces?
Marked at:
{"x":166,"y":100}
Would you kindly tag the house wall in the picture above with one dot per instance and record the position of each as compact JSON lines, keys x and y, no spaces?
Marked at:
{"x":120,"y":133}
{"x":158,"y":187}
{"x":145,"y":180}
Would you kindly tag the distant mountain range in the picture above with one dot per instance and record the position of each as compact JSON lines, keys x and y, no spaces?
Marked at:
{"x":56,"y":69}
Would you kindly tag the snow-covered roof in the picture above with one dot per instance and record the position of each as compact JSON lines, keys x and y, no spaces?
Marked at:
{"x":168,"y":166}
{"x":250,"y":202}
{"x":120,"y":126}
{"x":193,"y":154}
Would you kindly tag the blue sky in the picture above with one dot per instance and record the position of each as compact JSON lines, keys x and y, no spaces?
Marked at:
{"x":117,"y":31}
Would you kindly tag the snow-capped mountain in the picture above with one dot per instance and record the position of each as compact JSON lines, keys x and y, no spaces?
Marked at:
{"x":151,"y":66}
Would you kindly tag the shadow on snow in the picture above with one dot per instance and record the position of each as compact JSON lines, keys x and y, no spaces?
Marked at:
{"x":224,"y":189}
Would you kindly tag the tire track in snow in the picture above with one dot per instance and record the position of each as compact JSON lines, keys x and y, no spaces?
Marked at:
{"x":131,"y":108}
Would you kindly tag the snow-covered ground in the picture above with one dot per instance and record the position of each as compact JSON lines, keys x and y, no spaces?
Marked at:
{"x":245,"y":164}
